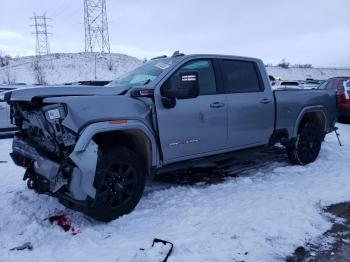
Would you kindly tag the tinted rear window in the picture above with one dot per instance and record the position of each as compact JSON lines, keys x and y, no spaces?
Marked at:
{"x":240,"y":76}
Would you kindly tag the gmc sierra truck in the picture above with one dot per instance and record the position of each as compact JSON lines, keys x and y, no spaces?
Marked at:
{"x":94,"y":147}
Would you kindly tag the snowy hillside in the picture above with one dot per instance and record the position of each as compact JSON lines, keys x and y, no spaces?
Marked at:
{"x":61,"y":68}
{"x":303,"y":73}
{"x":72,"y":67}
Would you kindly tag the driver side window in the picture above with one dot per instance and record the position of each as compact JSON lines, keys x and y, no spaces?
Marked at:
{"x":207,"y":83}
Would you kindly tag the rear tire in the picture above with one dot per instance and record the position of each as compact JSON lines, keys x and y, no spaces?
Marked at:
{"x":119,"y":183}
{"x":307,"y":145}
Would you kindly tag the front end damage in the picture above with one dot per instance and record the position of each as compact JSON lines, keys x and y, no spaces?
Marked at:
{"x":46,"y":148}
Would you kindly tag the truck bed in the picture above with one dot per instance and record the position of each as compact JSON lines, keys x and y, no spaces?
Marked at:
{"x":291,"y":103}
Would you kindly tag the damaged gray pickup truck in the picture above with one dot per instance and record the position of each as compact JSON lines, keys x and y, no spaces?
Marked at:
{"x":94,"y":147}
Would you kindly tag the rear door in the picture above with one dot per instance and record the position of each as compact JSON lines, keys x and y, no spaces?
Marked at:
{"x":250,"y":104}
{"x":195,"y":126}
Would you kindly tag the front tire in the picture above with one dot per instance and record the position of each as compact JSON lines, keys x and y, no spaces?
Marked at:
{"x":119,"y":183}
{"x":307,"y":145}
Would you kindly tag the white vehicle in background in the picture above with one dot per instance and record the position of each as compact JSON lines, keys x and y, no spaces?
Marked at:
{"x":289,"y":85}
{"x":311,"y":84}
{"x":5,"y":122}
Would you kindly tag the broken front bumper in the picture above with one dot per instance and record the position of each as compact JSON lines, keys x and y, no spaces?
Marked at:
{"x":73,"y":176}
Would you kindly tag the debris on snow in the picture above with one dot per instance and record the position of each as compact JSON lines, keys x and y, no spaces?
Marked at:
{"x":26,"y":245}
{"x":159,"y":251}
{"x":62,"y":221}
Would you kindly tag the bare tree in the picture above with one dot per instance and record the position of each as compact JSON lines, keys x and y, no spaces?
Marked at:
{"x":110,"y":64}
{"x":4,"y":59}
{"x":303,"y":65}
{"x":9,"y":77}
{"x":39,"y":73}
{"x":283,"y":63}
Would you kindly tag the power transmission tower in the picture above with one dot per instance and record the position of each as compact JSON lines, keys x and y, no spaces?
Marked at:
{"x":96,"y":26}
{"x":41,"y":33}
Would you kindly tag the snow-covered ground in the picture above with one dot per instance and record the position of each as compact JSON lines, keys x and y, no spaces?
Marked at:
{"x":261,"y":216}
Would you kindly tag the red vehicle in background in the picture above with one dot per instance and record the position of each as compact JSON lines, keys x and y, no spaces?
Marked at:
{"x":342,"y":85}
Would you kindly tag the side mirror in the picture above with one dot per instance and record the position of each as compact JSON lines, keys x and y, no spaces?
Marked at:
{"x":188,"y":86}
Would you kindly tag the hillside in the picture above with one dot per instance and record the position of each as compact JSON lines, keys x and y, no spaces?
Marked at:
{"x":303,"y":73}
{"x":69,"y":67}
{"x":72,"y":67}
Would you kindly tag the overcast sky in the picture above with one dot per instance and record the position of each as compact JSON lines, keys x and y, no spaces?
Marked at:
{"x":302,"y":31}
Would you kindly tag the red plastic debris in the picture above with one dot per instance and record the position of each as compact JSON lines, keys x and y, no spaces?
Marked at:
{"x":64,"y":223}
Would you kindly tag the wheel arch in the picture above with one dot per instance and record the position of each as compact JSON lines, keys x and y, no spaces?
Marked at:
{"x":314,"y":114}
{"x":132,"y":134}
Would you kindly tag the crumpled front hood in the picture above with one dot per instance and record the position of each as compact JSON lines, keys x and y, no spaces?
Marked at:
{"x":27,"y":94}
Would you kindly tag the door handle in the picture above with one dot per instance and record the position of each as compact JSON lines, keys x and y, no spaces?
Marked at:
{"x":217,"y":105}
{"x":265,"y":101}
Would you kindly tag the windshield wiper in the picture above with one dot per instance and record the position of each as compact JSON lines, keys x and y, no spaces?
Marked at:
{"x":129,"y":87}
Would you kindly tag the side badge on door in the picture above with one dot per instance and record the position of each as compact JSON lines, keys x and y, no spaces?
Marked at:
{"x":190,"y":141}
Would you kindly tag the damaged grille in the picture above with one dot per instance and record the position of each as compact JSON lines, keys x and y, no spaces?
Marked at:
{"x":45,"y":144}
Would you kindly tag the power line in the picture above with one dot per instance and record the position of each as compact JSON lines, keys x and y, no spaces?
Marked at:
{"x":96,"y":26}
{"x":41,"y":33}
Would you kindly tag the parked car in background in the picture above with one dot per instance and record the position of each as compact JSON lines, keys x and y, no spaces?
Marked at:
{"x":346,"y":85}
{"x":274,"y":80}
{"x":289,"y":85}
{"x":5,"y":123}
{"x":341,"y":85}
{"x":311,"y":84}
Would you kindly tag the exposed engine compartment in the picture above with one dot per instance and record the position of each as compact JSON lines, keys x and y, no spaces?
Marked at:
{"x":41,"y":126}
{"x":45,"y":147}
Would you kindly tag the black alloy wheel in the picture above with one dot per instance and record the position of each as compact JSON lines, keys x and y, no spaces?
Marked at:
{"x":307,"y":145}
{"x":120,"y":181}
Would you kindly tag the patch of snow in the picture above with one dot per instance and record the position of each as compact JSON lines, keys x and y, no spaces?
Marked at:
{"x":260,"y":217}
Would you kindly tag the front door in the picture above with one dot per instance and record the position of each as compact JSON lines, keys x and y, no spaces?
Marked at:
{"x":194,"y":126}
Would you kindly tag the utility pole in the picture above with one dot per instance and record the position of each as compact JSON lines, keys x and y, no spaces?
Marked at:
{"x":41,"y":33}
{"x":96,"y":26}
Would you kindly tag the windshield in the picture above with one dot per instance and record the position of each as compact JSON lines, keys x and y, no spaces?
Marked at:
{"x":143,"y":74}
